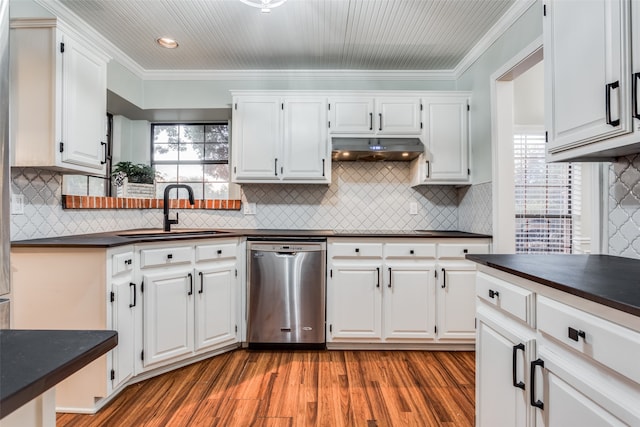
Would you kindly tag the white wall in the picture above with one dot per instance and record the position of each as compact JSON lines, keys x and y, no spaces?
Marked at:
{"x":477,"y":80}
{"x":528,"y":97}
{"x":131,"y":140}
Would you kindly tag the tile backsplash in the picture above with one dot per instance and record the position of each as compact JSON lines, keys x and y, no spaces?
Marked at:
{"x":624,"y":207}
{"x":362,"y":196}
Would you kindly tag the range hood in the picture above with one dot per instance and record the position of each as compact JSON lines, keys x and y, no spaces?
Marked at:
{"x":375,"y":149}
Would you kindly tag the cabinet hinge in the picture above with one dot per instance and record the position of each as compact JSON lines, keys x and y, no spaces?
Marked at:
{"x":113,"y":375}
{"x":330,"y":328}
{"x":329,"y":106}
{"x":420,"y":107}
{"x":142,"y":287}
{"x":142,"y":355}
{"x":61,"y":147}
{"x":234,"y":169}
{"x":331,"y":273}
{"x":235,"y":106}
{"x":468,"y":107}
{"x":420,"y":125}
{"x":435,"y":273}
{"x":61,"y":47}
{"x":236,"y":328}
{"x":546,"y":136}
{"x":435,"y":329}
{"x":282,"y":105}
{"x":544,"y":10}
{"x":329,"y":124}
{"x":113,"y":297}
{"x":468,"y":171}
{"x":475,"y":323}
{"x":236,"y":272}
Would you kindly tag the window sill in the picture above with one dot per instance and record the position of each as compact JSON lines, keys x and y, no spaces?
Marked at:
{"x":97,"y":202}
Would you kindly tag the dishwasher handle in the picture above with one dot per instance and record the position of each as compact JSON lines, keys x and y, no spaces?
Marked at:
{"x":287,"y":254}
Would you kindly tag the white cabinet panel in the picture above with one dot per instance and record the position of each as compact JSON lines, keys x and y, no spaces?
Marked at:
{"x":398,"y":116}
{"x":123,"y":321}
{"x":351,"y":114}
{"x":355,"y":303}
{"x":215,"y":305}
{"x":515,"y":300}
{"x":456,"y":302}
{"x":168,"y":315}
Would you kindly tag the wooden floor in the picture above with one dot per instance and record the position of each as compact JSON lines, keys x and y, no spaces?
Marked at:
{"x":301,"y":388}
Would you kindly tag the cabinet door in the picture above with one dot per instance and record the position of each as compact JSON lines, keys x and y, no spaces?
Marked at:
{"x":256,"y":140}
{"x":498,"y":401}
{"x":168,"y":314}
{"x":215,"y":303}
{"x":399,"y":116}
{"x":351,"y":115}
{"x":456,"y":301}
{"x":305,"y":139}
{"x":586,"y":51}
{"x":446,"y":139}
{"x":409,"y":302}
{"x":355,"y":303}
{"x":84,"y":106}
{"x":123,"y":320}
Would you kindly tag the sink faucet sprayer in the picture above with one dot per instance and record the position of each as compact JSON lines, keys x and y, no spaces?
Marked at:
{"x":167,"y":221}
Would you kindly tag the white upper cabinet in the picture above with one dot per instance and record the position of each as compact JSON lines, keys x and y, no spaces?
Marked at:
{"x":382,"y":115}
{"x":59,"y":93}
{"x":446,"y":136}
{"x":589,"y":74}
{"x":280,"y":139}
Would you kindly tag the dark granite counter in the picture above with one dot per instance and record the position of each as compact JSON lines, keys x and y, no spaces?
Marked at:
{"x":33,"y":361}
{"x":126,"y":237}
{"x":608,"y":280}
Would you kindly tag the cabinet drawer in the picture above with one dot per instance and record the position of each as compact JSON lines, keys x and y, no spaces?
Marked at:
{"x":121,"y":263}
{"x":358,"y":250}
{"x":409,"y":250}
{"x":215,"y":252}
{"x":459,"y":250}
{"x":517,"y":301}
{"x":165,"y":256}
{"x":606,"y":342}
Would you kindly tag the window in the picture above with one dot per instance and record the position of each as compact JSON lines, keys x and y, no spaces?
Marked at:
{"x":547,"y":197}
{"x":194,"y":154}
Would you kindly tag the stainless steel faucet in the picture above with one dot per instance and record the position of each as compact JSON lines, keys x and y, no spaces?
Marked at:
{"x":167,"y":221}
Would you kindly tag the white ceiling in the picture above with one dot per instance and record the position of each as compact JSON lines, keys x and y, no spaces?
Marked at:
{"x":299,"y":35}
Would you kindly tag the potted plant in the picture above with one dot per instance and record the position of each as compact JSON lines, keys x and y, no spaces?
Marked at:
{"x":134,"y":180}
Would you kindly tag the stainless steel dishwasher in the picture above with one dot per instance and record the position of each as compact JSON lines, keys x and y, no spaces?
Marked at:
{"x":286,"y":294}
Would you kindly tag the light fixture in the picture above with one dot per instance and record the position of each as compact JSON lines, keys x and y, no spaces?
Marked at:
{"x":265,"y":6}
{"x":405,"y":154}
{"x":167,"y":42}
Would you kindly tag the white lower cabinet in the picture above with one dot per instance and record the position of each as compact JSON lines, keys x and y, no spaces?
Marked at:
{"x":395,"y":291}
{"x":576,"y":368}
{"x":190,"y":303}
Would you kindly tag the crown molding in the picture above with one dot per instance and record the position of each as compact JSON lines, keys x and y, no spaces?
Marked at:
{"x":75,"y":24}
{"x":298,"y":75}
{"x":84,"y":30}
{"x":494,"y":33}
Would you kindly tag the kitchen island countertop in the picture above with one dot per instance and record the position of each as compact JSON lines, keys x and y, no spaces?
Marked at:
{"x":126,"y":237}
{"x":33,"y":361}
{"x":608,"y":280}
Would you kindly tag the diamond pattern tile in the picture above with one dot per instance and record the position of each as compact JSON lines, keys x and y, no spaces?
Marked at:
{"x":624,"y":207}
{"x":363,"y":196}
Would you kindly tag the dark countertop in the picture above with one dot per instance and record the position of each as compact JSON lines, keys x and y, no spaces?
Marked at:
{"x":608,"y":280}
{"x":116,"y":238}
{"x":33,"y":361}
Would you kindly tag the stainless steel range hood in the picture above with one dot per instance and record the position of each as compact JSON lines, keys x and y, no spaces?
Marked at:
{"x":375,"y":149}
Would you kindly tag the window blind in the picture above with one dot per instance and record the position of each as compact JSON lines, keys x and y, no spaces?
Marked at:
{"x":547,"y":198}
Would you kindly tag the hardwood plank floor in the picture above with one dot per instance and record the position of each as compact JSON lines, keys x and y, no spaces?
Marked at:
{"x":301,"y":388}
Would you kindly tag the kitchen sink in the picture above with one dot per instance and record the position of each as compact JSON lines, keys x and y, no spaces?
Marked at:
{"x":159,"y":233}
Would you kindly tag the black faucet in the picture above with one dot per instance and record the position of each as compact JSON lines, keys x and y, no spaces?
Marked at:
{"x":167,"y":221}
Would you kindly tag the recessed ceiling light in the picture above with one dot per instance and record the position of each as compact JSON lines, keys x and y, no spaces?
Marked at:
{"x":167,"y":42}
{"x":405,"y":154}
{"x":345,"y":154}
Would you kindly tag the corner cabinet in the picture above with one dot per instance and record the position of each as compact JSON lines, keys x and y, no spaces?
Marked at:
{"x":446,"y":137}
{"x":59,"y":99}
{"x":592,"y":78}
{"x":280,"y":139}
